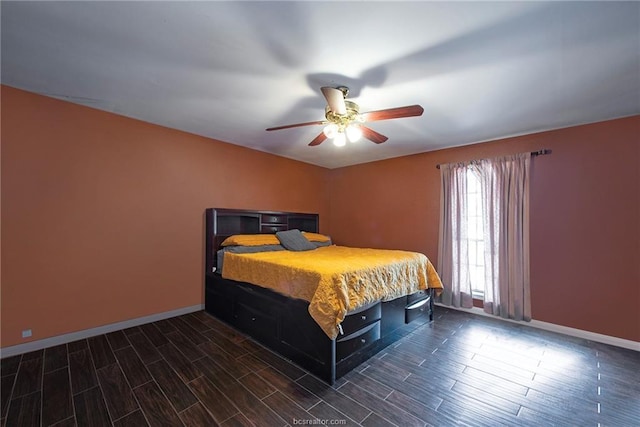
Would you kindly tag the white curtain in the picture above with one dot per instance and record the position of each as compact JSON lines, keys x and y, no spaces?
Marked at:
{"x":453,"y":253}
{"x":505,"y":201}
{"x":505,"y":204}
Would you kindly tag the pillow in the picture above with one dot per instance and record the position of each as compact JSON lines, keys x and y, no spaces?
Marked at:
{"x":294,"y":240}
{"x":251,"y":240}
{"x":316,"y":237}
{"x":252,"y":249}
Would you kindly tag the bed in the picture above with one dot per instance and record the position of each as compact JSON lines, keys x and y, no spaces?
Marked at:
{"x":334,"y":307}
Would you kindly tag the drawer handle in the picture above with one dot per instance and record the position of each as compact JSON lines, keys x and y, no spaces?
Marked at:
{"x":253,"y":319}
{"x":363,"y":341}
{"x":364,"y":317}
{"x":418,"y":304}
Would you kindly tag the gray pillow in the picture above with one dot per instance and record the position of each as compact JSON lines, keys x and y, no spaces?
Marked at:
{"x":253,"y":249}
{"x":294,"y":240}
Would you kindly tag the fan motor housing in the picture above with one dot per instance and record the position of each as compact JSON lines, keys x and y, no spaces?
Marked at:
{"x":343,"y":119}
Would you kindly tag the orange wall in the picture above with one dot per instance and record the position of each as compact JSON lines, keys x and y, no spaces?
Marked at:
{"x":103,"y":216}
{"x":585,"y":218}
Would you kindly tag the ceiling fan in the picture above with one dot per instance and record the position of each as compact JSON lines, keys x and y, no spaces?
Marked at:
{"x":343,"y":120}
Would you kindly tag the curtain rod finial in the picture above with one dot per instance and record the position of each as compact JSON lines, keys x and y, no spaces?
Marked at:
{"x":541,"y":152}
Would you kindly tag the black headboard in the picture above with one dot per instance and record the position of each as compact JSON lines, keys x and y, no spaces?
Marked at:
{"x":222,"y":223}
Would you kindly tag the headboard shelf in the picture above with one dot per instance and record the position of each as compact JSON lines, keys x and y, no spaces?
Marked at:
{"x":222,"y":223}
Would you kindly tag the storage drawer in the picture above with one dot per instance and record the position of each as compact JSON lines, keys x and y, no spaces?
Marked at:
{"x":256,"y":323}
{"x":260,"y":304}
{"x":359,"y":319}
{"x":415,"y":310}
{"x":417,"y":296}
{"x":273,"y":219}
{"x":272,"y":228}
{"x":350,"y":344}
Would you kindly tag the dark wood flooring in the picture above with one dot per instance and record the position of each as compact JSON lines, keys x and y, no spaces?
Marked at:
{"x":193,"y":370}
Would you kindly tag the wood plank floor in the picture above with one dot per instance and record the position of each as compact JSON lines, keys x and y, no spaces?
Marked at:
{"x":193,"y":370}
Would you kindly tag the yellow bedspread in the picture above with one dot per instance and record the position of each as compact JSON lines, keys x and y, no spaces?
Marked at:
{"x":335,"y":279}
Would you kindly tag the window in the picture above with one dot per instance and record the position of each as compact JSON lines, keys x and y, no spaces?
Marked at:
{"x":475,"y":234}
{"x":484,"y":235}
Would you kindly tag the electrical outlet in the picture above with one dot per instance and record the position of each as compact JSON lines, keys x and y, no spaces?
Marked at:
{"x":26,"y":333}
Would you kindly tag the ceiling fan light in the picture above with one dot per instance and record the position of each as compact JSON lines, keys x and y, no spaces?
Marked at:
{"x":330,"y":130}
{"x":339,"y":140}
{"x":354,"y":133}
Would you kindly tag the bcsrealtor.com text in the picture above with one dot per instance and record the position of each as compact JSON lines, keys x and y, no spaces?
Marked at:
{"x":318,"y":422}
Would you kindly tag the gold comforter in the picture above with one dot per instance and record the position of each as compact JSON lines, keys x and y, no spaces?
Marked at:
{"x":335,"y":279}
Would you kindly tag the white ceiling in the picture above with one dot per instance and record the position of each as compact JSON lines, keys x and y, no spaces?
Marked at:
{"x":228,"y":70}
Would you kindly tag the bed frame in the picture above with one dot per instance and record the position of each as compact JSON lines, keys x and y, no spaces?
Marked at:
{"x":283,"y":324}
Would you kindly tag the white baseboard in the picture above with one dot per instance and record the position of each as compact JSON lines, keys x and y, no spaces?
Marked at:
{"x":565,"y":330}
{"x":87,"y":333}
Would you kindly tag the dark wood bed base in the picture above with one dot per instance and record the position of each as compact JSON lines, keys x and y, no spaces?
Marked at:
{"x":283,"y":324}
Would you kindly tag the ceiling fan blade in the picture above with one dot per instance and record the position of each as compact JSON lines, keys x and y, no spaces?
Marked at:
{"x":372,"y":135}
{"x":335,"y":99}
{"x":393,"y":113}
{"x":296,"y":125}
{"x":318,"y":139}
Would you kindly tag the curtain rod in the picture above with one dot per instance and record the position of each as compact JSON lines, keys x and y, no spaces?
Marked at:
{"x":533,"y":154}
